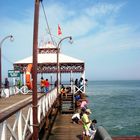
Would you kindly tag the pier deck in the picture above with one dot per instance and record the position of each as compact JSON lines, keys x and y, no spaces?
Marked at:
{"x":13,"y":101}
{"x":64,"y":129}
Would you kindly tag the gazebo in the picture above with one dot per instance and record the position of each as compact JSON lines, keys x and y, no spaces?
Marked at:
{"x":47,"y":62}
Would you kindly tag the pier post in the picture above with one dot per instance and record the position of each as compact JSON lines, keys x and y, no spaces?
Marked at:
{"x":35,"y":46}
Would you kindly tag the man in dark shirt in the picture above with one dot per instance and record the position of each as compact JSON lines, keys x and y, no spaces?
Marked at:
{"x":6,"y":90}
{"x":6,"y":84}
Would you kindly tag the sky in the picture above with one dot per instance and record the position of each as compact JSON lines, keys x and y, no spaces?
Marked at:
{"x":106,"y":34}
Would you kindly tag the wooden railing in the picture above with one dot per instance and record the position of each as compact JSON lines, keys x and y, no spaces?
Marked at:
{"x":17,"y":122}
{"x":13,"y":90}
{"x":24,"y":90}
{"x":76,"y":89}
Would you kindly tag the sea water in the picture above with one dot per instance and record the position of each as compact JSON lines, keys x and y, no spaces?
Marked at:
{"x":116,"y":106}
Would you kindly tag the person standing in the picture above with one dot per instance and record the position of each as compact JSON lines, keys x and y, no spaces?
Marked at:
{"x":19,"y":83}
{"x":47,"y":84}
{"x":76,"y":84}
{"x":81,"y":84}
{"x":6,"y":86}
{"x":42,"y":84}
{"x":55,"y":84}
{"x":86,"y":124}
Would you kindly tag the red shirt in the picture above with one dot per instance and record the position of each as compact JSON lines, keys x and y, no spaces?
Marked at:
{"x":47,"y":84}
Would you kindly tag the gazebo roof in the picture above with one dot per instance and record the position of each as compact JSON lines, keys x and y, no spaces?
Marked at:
{"x":47,"y":62}
{"x":50,"y":58}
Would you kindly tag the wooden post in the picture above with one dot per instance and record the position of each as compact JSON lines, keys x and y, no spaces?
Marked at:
{"x":35,"y":46}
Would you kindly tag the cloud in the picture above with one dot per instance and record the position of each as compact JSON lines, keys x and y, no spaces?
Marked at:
{"x":84,"y":27}
{"x":82,"y":23}
{"x":113,"y":39}
{"x":79,"y":26}
{"x":103,"y":9}
{"x":95,"y":29}
{"x":103,"y":36}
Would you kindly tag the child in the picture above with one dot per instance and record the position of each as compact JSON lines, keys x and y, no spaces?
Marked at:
{"x":92,"y":129}
{"x":63,"y":91}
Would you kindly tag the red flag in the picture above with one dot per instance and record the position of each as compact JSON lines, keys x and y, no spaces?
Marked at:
{"x":59,"y":30}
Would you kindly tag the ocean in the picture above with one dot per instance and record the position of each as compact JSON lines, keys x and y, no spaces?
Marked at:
{"x":116,"y":106}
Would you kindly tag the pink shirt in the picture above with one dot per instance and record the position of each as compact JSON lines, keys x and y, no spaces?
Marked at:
{"x":83,"y":104}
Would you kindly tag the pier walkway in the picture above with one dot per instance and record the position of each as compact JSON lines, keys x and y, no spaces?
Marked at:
{"x":54,"y":122}
{"x":16,"y":117}
{"x":64,"y":129}
{"x":16,"y":120}
{"x":7,"y":104}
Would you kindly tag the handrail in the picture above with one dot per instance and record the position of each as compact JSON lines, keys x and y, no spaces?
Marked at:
{"x":12,"y":90}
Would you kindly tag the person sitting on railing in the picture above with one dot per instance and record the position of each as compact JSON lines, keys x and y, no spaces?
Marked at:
{"x":63,"y":91}
{"x":6,"y":85}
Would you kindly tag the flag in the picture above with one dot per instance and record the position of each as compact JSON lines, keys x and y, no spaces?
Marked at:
{"x":59,"y":30}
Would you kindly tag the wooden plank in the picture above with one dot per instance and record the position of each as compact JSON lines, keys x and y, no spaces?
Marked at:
{"x":12,"y":101}
{"x":8,"y":106}
{"x":64,"y":129}
{"x":7,"y":103}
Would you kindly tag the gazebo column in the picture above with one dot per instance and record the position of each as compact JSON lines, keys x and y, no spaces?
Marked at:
{"x":21,"y":78}
{"x":51,"y":81}
{"x":84,"y":84}
{"x":60,"y":77}
{"x":24,"y":79}
{"x":71,"y":80}
{"x":14,"y":81}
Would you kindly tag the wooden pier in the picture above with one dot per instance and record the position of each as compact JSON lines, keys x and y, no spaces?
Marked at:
{"x":54,"y":124}
{"x":16,"y":117}
{"x":64,"y":129}
{"x":7,"y":104}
